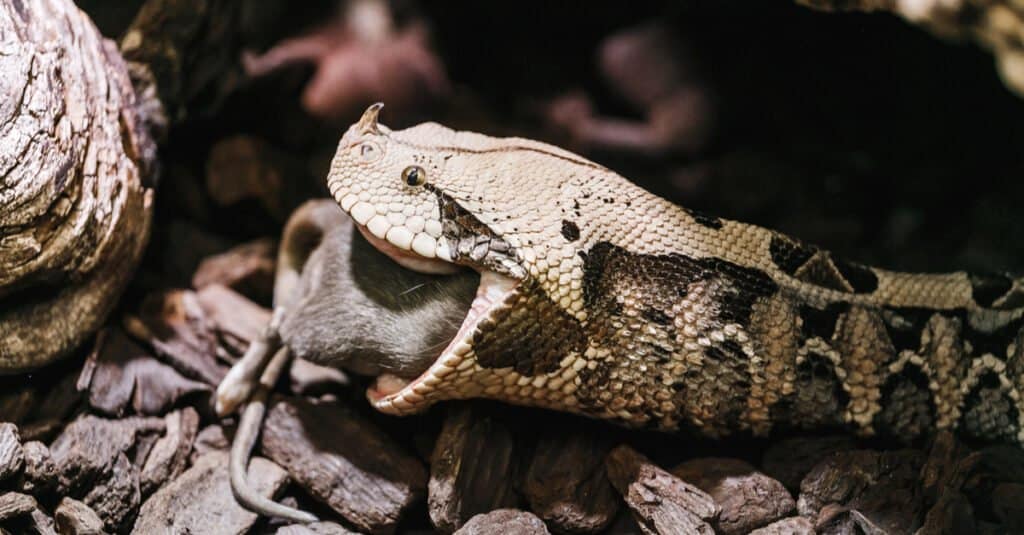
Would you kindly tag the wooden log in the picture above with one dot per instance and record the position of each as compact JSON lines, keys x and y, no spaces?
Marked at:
{"x":39,"y":477}
{"x":565,"y":480}
{"x":473,"y":469}
{"x":12,"y":457}
{"x":169,"y":454}
{"x":187,"y":51}
{"x":200,"y":500}
{"x":794,"y":525}
{"x":77,"y":180}
{"x":76,"y":518}
{"x":247,"y":268}
{"x":661,"y":502}
{"x":748,"y":498}
{"x":316,"y":528}
{"x":790,"y":459}
{"x":344,"y":461}
{"x":119,"y":375}
{"x":504,"y":522}
{"x":881,"y":486}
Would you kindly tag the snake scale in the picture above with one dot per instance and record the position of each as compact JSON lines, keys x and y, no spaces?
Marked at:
{"x":600,"y":298}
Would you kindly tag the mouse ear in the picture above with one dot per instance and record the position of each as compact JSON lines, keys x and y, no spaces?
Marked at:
{"x":368,"y":122}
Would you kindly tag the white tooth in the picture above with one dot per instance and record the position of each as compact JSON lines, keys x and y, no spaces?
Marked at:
{"x":462,"y":349}
{"x":400,"y":237}
{"x":443,"y":370}
{"x":347,"y":201}
{"x":424,"y":245}
{"x":396,"y":218}
{"x":433,"y":227}
{"x":414,"y":223}
{"x":442,"y":250}
{"x":378,"y":226}
{"x":362,"y":212}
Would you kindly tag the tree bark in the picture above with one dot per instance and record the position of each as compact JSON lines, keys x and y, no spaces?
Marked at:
{"x":76,"y":164}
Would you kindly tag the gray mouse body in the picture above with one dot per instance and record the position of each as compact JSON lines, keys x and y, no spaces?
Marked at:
{"x":352,"y":307}
{"x":338,"y":302}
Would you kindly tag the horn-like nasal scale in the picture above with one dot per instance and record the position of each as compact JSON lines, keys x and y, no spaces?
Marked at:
{"x":368,"y":122}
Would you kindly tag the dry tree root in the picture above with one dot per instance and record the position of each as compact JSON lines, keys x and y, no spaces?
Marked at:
{"x":75,"y":180}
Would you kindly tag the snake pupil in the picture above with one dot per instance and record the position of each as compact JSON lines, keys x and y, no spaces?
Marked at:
{"x":414,"y":175}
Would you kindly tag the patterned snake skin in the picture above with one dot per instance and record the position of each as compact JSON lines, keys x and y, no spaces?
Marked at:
{"x":600,"y":298}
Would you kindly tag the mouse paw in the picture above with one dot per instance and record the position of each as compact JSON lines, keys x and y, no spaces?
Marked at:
{"x":234,"y":390}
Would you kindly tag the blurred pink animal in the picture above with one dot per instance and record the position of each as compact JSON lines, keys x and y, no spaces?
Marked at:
{"x":649,"y":68}
{"x":360,"y":60}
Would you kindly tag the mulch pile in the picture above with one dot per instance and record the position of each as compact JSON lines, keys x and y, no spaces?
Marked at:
{"x":127,"y":442}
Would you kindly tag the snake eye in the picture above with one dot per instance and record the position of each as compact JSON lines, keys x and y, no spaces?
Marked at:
{"x":369,"y":152}
{"x":414,"y":175}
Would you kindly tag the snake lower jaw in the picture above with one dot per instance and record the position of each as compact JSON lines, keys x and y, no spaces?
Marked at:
{"x":399,"y":396}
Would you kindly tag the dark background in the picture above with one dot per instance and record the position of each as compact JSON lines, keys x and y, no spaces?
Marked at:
{"x":858,"y":132}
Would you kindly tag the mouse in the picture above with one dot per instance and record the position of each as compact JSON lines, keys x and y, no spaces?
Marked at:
{"x":351,"y":307}
{"x":338,"y":302}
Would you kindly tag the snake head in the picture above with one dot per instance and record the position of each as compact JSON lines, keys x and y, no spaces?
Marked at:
{"x":434,"y":199}
{"x":409,"y":194}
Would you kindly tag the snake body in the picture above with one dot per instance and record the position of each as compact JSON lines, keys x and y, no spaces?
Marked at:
{"x":600,"y":298}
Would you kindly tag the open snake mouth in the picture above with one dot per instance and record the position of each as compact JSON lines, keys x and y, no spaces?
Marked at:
{"x":392,"y":394}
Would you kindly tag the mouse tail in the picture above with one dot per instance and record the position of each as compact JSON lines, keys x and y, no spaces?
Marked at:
{"x":245,"y":438}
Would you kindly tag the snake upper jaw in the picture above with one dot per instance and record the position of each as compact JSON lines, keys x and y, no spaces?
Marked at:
{"x":408,"y":259}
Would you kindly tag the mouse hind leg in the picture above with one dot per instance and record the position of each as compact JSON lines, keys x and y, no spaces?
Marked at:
{"x":302,"y":235}
{"x":249,"y":382}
